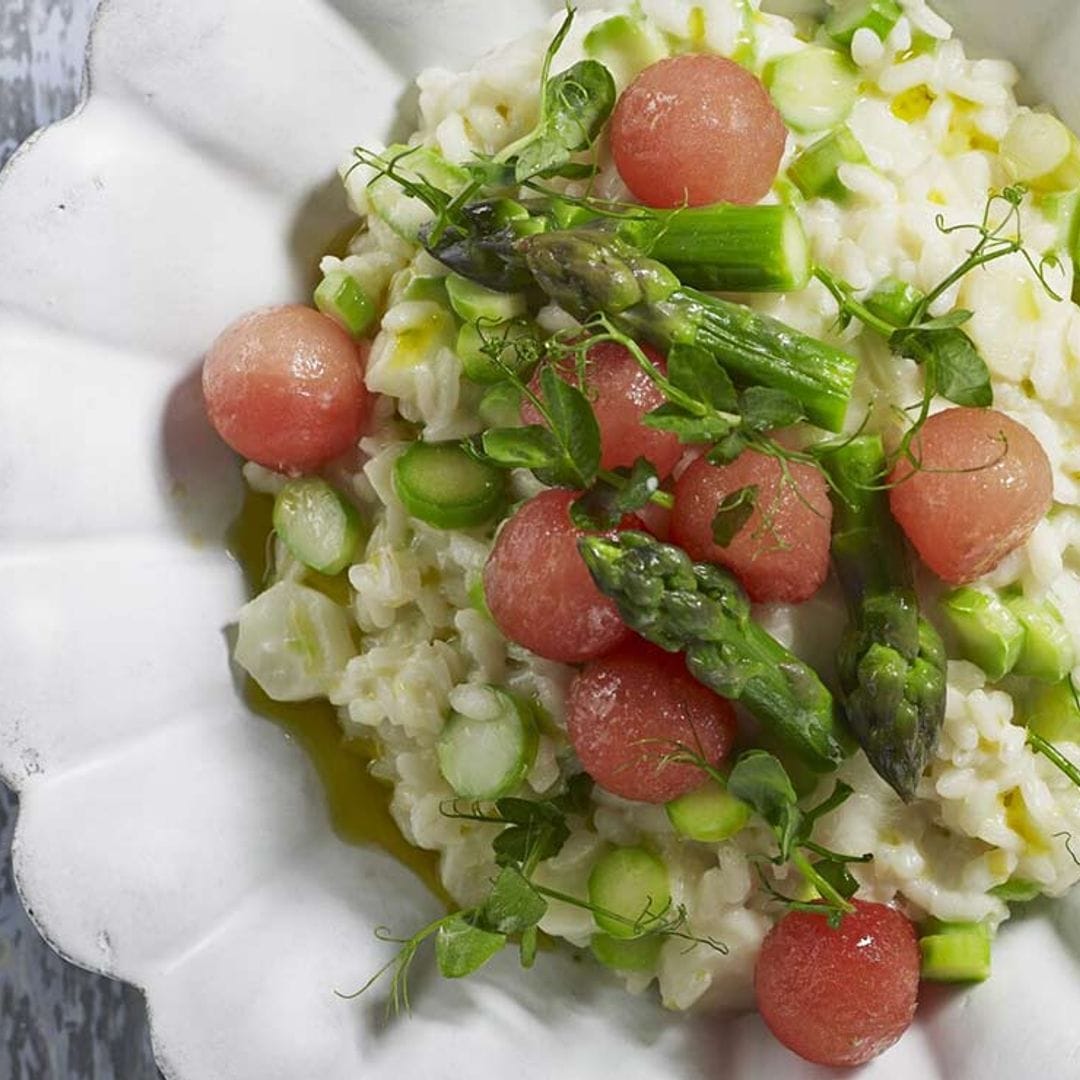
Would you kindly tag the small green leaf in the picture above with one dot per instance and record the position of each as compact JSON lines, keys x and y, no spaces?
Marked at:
{"x":605,"y":504}
{"x":513,"y":906}
{"x":532,"y":447}
{"x":461,"y":948}
{"x":688,"y":427}
{"x":955,"y":368}
{"x":537,"y":831}
{"x":841,"y":792}
{"x":573,"y":424}
{"x":765,"y":409}
{"x":759,"y":779}
{"x":946,"y":322}
{"x":728,"y":449}
{"x":520,"y":844}
{"x":576,"y":106}
{"x":698,"y":374}
{"x":526,"y":811}
{"x":838,"y":876}
{"x":733,"y":513}
{"x":577,"y":798}
{"x":530,"y":939}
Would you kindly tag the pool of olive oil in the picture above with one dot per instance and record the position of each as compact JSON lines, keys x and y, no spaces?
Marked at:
{"x":359,"y":804}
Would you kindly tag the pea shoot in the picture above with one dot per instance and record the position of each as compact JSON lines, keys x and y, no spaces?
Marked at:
{"x":529,"y":833}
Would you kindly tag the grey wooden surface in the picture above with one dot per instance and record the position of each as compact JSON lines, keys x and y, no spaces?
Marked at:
{"x":57,"y":1022}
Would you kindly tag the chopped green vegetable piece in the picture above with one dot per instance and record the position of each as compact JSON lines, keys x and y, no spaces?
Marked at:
{"x":293,"y":641}
{"x":625,"y":45}
{"x":814,"y":88}
{"x":1047,"y":652}
{"x":1063,"y":209}
{"x":473,"y":302}
{"x":621,"y":954}
{"x":474,"y":342}
{"x":895,"y":301}
{"x":1054,"y":713}
{"x":487,"y":758}
{"x":708,"y":814}
{"x":955,"y":952}
{"x":880,"y":16}
{"x":726,"y":248}
{"x":500,"y":406}
{"x":340,"y":296}
{"x":988,"y":633}
{"x":317,"y":525}
{"x":1016,"y":891}
{"x":477,"y":597}
{"x":426,"y":287}
{"x":1042,"y":152}
{"x":816,"y":171}
{"x":630,"y":888}
{"x":442,"y":485}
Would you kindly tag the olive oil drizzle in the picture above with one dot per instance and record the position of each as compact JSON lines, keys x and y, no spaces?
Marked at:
{"x":358,"y":803}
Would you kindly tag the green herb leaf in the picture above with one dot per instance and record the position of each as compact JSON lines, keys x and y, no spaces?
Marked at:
{"x":956,"y":370}
{"x":947,"y":322}
{"x":841,"y":792}
{"x":605,"y":504}
{"x":574,"y":425}
{"x":462,"y":948}
{"x":530,"y":939}
{"x":576,"y":106}
{"x":759,"y":779}
{"x":575,"y":170}
{"x":765,"y":409}
{"x":689,"y":428}
{"x":733,"y":513}
{"x":532,"y":447}
{"x":577,"y":798}
{"x":526,"y":811}
{"x":697,"y":373}
{"x":728,"y":449}
{"x":537,"y":831}
{"x":513,"y":906}
{"x":838,"y":876}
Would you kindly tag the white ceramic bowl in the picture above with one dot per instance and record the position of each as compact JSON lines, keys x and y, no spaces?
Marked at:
{"x":166,"y":836}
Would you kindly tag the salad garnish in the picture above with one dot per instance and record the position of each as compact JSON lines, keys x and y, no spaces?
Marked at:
{"x":700,"y":471}
{"x":531,"y":831}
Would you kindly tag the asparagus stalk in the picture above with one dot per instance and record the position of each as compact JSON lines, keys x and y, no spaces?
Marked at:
{"x":701,"y":610}
{"x":587,"y":273}
{"x":891,"y":660}
{"x":816,"y":171}
{"x":725,"y":248}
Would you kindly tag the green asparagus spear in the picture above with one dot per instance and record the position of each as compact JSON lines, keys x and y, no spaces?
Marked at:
{"x":701,"y":610}
{"x":891,"y":660}
{"x":588,"y":272}
{"x":723,"y":247}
